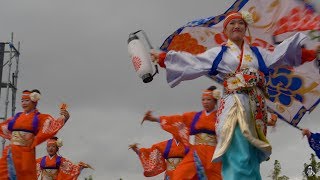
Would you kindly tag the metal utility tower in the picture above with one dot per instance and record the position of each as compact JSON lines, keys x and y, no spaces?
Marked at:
{"x":9,"y":69}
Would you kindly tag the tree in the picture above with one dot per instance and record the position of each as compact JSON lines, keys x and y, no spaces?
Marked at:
{"x":315,"y":168}
{"x":88,"y":178}
{"x":275,"y":175}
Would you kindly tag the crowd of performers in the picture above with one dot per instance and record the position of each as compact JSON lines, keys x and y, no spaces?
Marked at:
{"x":25,"y":131}
{"x":230,"y":140}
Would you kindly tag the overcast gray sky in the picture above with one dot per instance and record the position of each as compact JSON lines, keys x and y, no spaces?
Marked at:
{"x":76,"y":51}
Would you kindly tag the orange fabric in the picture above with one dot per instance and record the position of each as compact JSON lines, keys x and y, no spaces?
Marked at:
{"x":24,"y":156}
{"x":207,"y":93}
{"x":187,"y":169}
{"x":67,"y":170}
{"x":231,"y":16}
{"x":308,"y":55}
{"x":162,"y":57}
{"x":52,"y":141}
{"x":152,"y":159}
{"x":26,"y":95}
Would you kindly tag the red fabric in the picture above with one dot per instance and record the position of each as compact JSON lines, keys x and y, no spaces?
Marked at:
{"x":179,"y":126}
{"x":187,"y":169}
{"x":308,"y":55}
{"x":152,"y":159}
{"x":162,"y":57}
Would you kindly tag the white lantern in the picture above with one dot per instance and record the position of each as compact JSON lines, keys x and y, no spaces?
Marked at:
{"x":140,"y":58}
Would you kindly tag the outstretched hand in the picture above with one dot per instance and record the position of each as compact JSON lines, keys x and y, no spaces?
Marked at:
{"x":155,"y":55}
{"x":84,"y":165}
{"x":134,"y":147}
{"x":306,"y":132}
{"x":273,"y":120}
{"x":149,"y":117}
{"x":65,"y":113}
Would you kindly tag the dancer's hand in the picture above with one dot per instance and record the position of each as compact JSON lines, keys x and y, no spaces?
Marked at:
{"x":84,"y":165}
{"x":306,"y":132}
{"x":155,"y":54}
{"x":65,"y":113}
{"x":149,"y":117}
{"x":134,"y":147}
{"x":273,"y":120}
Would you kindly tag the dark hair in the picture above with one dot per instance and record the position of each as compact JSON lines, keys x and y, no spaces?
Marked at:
{"x":54,"y":138}
{"x":211,"y":88}
{"x":34,"y":90}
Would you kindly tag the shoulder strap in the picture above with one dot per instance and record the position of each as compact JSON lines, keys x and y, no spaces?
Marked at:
{"x":194,"y":122}
{"x":13,"y":121}
{"x":186,"y":150}
{"x":262,"y":65}
{"x":35,"y":123}
{"x":167,"y":150}
{"x":58,"y":161}
{"x":43,"y":162}
{"x":216,"y":62}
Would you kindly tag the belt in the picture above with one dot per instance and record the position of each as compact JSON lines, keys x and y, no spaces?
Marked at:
{"x":49,"y":174}
{"x":22,"y":138}
{"x":205,"y":139}
{"x":172,"y":163}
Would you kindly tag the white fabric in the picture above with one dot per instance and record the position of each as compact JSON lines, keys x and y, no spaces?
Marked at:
{"x":182,"y":66}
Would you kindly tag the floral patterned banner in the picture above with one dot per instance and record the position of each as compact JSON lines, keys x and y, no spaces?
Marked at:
{"x":293,"y":90}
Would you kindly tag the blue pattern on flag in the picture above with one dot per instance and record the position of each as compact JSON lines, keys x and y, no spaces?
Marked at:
{"x":314,"y":142}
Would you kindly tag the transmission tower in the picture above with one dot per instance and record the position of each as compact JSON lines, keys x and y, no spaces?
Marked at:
{"x":9,"y":69}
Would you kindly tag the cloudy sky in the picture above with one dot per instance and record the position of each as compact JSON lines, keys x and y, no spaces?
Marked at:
{"x":76,"y":52}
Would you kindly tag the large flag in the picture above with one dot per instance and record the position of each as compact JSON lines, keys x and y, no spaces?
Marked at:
{"x":293,"y":90}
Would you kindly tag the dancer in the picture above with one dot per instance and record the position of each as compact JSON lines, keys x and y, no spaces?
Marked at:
{"x":56,"y":167}
{"x":197,"y":163}
{"x":242,"y":118}
{"x":25,"y":131}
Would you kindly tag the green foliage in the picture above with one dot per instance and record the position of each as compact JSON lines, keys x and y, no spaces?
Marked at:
{"x":315,"y":166}
{"x":89,"y":178}
{"x":275,"y":174}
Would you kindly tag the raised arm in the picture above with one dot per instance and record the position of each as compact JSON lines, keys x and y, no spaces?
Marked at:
{"x":152,"y":159}
{"x":289,"y":52}
{"x":49,"y":126}
{"x":182,"y":66}
{"x":68,"y":170}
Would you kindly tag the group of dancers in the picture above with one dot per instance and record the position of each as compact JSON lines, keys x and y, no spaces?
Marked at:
{"x":230,"y":140}
{"x":25,"y":131}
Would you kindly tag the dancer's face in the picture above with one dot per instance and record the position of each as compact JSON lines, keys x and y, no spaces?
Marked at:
{"x":208,"y":103}
{"x":235,"y":30}
{"x":52,"y":149}
{"x":27,"y":104}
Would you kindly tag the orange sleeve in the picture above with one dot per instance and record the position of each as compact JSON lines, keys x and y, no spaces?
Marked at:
{"x":178,"y":126}
{"x":162,"y":57}
{"x":68,"y":170}
{"x":308,"y":55}
{"x":152,"y":159}
{"x":4,"y":132}
{"x":48,"y":127}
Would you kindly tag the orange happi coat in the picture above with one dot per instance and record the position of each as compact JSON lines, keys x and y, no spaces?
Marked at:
{"x":163,"y":156}
{"x":57,"y":168}
{"x":18,"y":159}
{"x":182,"y":126}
